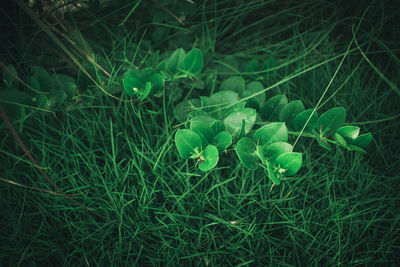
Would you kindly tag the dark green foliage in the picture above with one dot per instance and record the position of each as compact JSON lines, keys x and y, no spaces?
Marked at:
{"x":235,"y":200}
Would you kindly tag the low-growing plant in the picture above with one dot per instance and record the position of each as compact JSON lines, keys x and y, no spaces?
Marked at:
{"x":239,"y":115}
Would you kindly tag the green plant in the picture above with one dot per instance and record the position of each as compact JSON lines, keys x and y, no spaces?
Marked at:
{"x":259,"y":129}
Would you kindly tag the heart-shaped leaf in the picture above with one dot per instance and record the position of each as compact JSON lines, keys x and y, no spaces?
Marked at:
{"x":193,"y":61}
{"x":290,"y":111}
{"x":210,"y":155}
{"x":331,"y":121}
{"x":274,"y":150}
{"x":187,"y":142}
{"x":205,"y":132}
{"x":302,"y":118}
{"x":234,"y":83}
{"x":290,"y":162}
{"x":233,"y":123}
{"x":363,"y":140}
{"x":271,"y":133}
{"x":246,"y":151}
{"x":223,"y":140}
{"x":272,"y":107}
{"x":182,"y":109}
{"x":174,"y":62}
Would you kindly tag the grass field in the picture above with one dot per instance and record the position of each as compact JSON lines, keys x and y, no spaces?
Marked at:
{"x":143,"y":204}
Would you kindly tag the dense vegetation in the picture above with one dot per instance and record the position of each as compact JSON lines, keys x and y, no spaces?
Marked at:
{"x":193,"y":133}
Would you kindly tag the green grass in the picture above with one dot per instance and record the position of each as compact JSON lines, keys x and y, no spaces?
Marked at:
{"x":119,"y":159}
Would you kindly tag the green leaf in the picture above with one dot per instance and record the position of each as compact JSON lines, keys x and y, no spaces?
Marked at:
{"x":193,"y":61}
{"x":223,"y":97}
{"x":134,"y":74}
{"x":246,"y":151}
{"x":363,"y":140}
{"x":70,"y":88}
{"x":205,"y":132}
{"x":252,"y":66}
{"x":233,"y":123}
{"x":210,"y":155}
{"x":261,"y":154}
{"x":254,"y":88}
{"x":162,"y":65}
{"x":242,"y":130}
{"x":157,"y":82}
{"x":272,"y":151}
{"x":340,"y":140}
{"x":146,"y":91}
{"x":272,"y":107}
{"x":132,"y":86}
{"x":271,"y":133}
{"x":187,"y":142}
{"x":223,"y":140}
{"x":290,"y":162}
{"x":321,"y":140}
{"x":269,"y":64}
{"x":174,"y":62}
{"x":273,"y":176}
{"x":222,"y":103}
{"x":8,"y":78}
{"x":32,"y":82}
{"x":182,"y":109}
{"x":204,"y":118}
{"x":331,"y":121}
{"x":355,"y":148}
{"x":290,"y":111}
{"x":145,"y":74}
{"x":349,"y":133}
{"x":218,"y":126}
{"x":43,"y":77}
{"x":302,"y":118}
{"x":234,"y":83}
